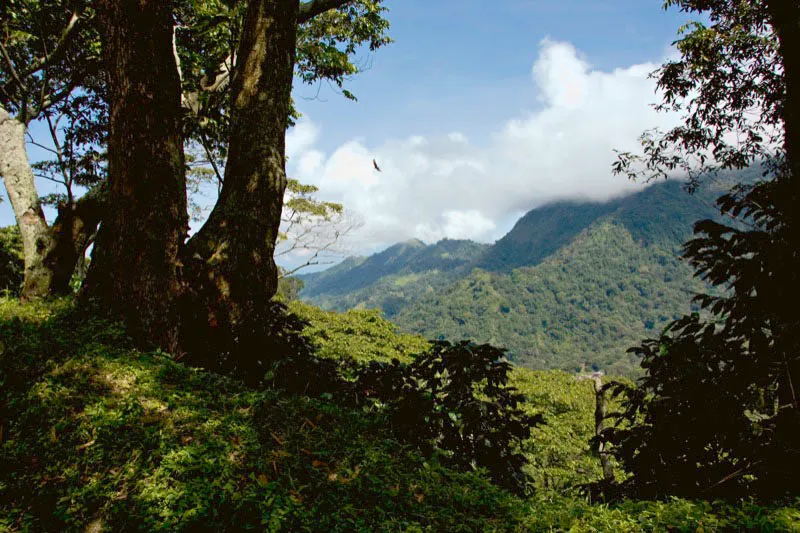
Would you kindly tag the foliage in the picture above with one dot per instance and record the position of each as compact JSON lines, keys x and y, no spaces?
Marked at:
{"x":11,"y":260}
{"x":97,"y":433}
{"x":53,"y":74}
{"x":359,"y":335}
{"x":559,"y":455}
{"x":558,"y":513}
{"x":558,"y":452}
{"x":449,"y":399}
{"x":327,"y":48}
{"x":456,"y":398}
{"x":728,"y":86}
{"x":49,"y":50}
{"x":717,"y":411}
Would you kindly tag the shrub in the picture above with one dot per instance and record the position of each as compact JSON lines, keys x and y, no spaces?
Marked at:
{"x":456,"y":398}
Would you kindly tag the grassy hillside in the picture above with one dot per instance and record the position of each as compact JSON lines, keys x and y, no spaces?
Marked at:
{"x":98,"y":436}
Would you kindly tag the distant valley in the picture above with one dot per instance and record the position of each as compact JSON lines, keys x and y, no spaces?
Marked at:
{"x":573,"y":284}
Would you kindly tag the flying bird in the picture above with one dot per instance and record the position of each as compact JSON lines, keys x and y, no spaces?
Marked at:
{"x":375,"y":164}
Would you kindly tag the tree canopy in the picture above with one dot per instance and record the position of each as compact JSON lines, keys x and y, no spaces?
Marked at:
{"x":717,"y":413}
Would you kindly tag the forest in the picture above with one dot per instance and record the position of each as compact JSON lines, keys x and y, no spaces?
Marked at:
{"x":160,"y":371}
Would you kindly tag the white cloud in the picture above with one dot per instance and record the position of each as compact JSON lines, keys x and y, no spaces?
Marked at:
{"x":447,"y":186}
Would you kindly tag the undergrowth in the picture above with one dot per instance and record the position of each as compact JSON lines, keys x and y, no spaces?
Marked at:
{"x":98,"y":434}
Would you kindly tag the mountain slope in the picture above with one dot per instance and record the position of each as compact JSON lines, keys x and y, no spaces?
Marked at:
{"x":572,"y":283}
{"x":586,"y":304}
{"x":392,"y":279}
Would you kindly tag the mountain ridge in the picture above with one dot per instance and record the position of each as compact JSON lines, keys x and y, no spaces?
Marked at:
{"x":571,"y":284}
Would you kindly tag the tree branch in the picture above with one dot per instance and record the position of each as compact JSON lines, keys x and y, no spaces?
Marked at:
{"x":204,"y":143}
{"x":17,"y":78}
{"x":309,"y":10}
{"x":54,"y":99}
{"x":59,"y":50}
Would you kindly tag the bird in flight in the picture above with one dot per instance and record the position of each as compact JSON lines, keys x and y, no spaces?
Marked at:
{"x":375,"y":164}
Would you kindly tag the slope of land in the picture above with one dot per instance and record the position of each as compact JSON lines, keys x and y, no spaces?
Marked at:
{"x":98,"y":436}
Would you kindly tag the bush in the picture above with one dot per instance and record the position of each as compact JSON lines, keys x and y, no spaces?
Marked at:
{"x":12,"y":266}
{"x":456,"y":398}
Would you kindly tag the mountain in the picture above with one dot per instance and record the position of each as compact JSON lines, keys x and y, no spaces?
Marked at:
{"x":572,"y":284}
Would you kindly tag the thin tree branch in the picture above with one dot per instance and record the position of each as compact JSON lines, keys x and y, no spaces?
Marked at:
{"x":59,"y":50}
{"x":204,"y":143}
{"x":60,"y":157}
{"x":43,"y":147}
{"x":309,"y":10}
{"x":55,"y":98}
{"x":17,"y":78}
{"x":48,"y":178}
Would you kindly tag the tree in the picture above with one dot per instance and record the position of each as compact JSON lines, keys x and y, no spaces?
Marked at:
{"x":48,"y":51}
{"x":135,"y":267}
{"x":223,"y":277}
{"x":717,"y":413}
{"x":311,"y":227}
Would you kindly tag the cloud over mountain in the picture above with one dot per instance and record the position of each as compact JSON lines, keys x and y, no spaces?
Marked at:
{"x":450,"y":186}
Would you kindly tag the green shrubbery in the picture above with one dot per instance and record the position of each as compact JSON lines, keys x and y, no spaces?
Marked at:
{"x":11,"y":260}
{"x":95,"y":431}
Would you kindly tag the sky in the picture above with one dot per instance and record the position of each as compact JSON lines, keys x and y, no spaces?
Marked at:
{"x":478,"y":112}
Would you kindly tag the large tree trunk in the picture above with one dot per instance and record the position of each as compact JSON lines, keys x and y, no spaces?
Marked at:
{"x":18,"y":178}
{"x":785,"y":17}
{"x":134,"y":273}
{"x":230,"y":265}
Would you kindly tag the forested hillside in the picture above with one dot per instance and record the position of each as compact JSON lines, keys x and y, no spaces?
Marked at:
{"x":572,"y":284}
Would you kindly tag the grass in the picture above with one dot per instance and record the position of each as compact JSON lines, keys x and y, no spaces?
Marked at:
{"x":96,"y":434}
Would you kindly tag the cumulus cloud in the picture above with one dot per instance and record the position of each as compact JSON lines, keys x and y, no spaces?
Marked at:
{"x":448,"y":186}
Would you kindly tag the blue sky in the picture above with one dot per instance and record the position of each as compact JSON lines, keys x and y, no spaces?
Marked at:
{"x":451,"y":54}
{"x":480,"y":111}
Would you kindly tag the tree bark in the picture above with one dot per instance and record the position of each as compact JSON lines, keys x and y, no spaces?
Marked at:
{"x":71,"y":234}
{"x":600,"y":411}
{"x":51,"y":253}
{"x":21,"y":188}
{"x":135,"y":269}
{"x":230,"y":265}
{"x":785,"y":18}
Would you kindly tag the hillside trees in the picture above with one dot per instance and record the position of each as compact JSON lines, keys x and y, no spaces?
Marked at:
{"x":227,"y":269}
{"x":717,"y":413}
{"x":219,"y":52}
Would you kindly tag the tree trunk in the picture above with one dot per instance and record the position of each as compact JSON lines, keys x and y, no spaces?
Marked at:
{"x":18,"y":178}
{"x":71,"y":234}
{"x":135,"y":270}
{"x":229,"y":262}
{"x":600,"y":411}
{"x":785,"y":17}
{"x":51,"y":253}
